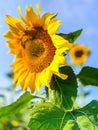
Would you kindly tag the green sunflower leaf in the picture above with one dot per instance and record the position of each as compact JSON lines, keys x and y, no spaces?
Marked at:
{"x":72,"y":36}
{"x":85,"y":118}
{"x":16,"y":106}
{"x":47,"y":116}
{"x":63,"y":92}
{"x":88,"y":76}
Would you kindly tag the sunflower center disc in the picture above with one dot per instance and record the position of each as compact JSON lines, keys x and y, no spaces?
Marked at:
{"x":34,"y":48}
{"x":39,"y":50}
{"x":79,"y":53}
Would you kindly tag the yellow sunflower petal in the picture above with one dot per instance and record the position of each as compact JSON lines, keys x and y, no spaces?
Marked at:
{"x":38,"y":9}
{"x":54,"y":67}
{"x":31,"y":17}
{"x":14,"y":23}
{"x":62,"y":76}
{"x":20,"y":14}
{"x":17,"y":76}
{"x":14,"y":48}
{"x":46,"y":19}
{"x":46,"y":73}
{"x":60,"y":42}
{"x":61,"y":50}
{"x":32,"y":83}
{"x":14,"y":30}
{"x":38,"y":82}
{"x":22,"y":78}
{"x":53,"y":26}
{"x":22,"y":84}
{"x":30,"y":13}
{"x":10,"y":35}
{"x":60,"y":59}
{"x":19,"y":64}
{"x":27,"y":81}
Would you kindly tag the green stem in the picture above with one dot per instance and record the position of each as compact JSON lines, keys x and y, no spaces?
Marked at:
{"x":82,"y":103}
{"x":81,"y":88}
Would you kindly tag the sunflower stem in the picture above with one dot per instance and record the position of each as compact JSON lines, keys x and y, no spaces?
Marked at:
{"x":81,"y":89}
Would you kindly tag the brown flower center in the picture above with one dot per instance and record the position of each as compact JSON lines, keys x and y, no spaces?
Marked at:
{"x":79,"y":53}
{"x":34,"y":48}
{"x":39,"y":50}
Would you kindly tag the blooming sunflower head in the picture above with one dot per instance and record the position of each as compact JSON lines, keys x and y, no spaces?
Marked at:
{"x":38,"y":50}
{"x":79,"y":54}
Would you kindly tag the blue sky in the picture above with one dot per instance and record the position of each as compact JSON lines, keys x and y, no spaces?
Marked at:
{"x":74,"y":14}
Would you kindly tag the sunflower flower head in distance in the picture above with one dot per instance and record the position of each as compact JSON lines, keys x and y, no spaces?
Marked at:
{"x":79,"y":54}
{"x":38,"y":50}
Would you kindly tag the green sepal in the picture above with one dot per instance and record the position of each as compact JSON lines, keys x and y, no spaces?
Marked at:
{"x":54,"y":15}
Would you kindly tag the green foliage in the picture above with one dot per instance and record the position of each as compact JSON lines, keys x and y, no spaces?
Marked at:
{"x":15,"y":107}
{"x":71,"y":37}
{"x":64,"y":92}
{"x":85,"y":118}
{"x":47,"y":116}
{"x":88,"y":76}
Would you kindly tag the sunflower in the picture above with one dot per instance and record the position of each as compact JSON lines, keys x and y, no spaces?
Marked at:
{"x":79,"y":54}
{"x":38,"y":50}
